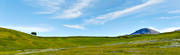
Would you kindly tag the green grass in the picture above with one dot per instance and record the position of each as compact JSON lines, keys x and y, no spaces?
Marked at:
{"x":12,"y":42}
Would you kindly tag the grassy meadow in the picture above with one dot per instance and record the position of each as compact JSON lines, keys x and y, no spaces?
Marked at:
{"x":13,"y":42}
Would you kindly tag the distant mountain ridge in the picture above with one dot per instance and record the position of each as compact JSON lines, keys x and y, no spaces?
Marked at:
{"x":178,"y":30}
{"x":145,"y":31}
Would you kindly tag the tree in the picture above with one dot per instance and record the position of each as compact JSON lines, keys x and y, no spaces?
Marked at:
{"x":33,"y":33}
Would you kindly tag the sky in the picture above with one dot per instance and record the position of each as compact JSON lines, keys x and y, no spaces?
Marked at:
{"x":89,"y":17}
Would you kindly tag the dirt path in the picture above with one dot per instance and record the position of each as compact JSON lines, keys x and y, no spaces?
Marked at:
{"x":37,"y":51}
{"x":136,"y":42}
{"x":45,"y":50}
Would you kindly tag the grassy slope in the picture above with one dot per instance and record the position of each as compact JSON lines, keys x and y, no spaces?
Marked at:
{"x":11,"y":40}
{"x":161,"y":44}
{"x":15,"y":40}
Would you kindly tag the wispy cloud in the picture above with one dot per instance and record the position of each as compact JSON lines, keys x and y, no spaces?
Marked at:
{"x":29,"y":29}
{"x":74,"y":26}
{"x":174,"y":11}
{"x":49,"y":6}
{"x":54,"y":7}
{"x":113,"y":15}
{"x":76,"y":10}
{"x":170,"y":17}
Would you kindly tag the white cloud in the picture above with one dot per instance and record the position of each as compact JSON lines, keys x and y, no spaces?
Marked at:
{"x":174,"y":11}
{"x":49,"y":6}
{"x":74,"y":26}
{"x":154,"y":28}
{"x":28,"y":29}
{"x":54,"y":7}
{"x":171,"y":17}
{"x":75,"y":11}
{"x":170,"y":29}
{"x":113,"y":15}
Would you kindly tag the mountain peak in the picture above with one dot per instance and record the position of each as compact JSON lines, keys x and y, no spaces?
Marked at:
{"x":145,"y":31}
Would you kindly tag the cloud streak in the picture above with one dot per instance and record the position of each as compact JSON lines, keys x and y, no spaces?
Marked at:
{"x":170,"y":17}
{"x":29,"y":29}
{"x":174,"y":11}
{"x":54,"y":7}
{"x":74,"y":26}
{"x":76,"y":10}
{"x":113,"y":15}
{"x":49,"y":6}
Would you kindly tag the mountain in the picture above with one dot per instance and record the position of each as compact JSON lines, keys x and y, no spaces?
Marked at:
{"x":145,"y":31}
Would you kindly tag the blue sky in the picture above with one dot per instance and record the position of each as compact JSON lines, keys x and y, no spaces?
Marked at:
{"x":89,"y":17}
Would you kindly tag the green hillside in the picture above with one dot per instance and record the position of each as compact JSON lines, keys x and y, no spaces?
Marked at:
{"x":15,"y":42}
